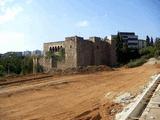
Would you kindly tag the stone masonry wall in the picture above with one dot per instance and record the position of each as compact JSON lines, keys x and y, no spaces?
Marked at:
{"x":112,"y":56}
{"x":46,"y":63}
{"x":80,"y":52}
{"x":47,"y":46}
{"x":101,"y":51}
{"x":85,"y":53}
{"x":70,"y":52}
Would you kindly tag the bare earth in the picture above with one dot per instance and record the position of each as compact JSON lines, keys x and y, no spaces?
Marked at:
{"x":82,"y":97}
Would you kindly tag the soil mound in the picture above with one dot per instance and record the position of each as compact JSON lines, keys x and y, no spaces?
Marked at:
{"x":80,"y":70}
{"x":152,"y":61}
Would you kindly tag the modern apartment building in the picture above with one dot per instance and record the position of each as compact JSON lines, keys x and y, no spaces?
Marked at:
{"x":37,"y":53}
{"x":27,"y":53}
{"x":129,"y":39}
{"x":141,"y":43}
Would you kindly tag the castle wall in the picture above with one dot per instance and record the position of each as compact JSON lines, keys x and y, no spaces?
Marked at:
{"x":48,"y":46}
{"x":85,"y":53}
{"x":46,"y":63}
{"x":61,"y":65}
{"x":112,"y":56}
{"x":71,"y":52}
{"x":80,"y":52}
{"x":101,"y":51}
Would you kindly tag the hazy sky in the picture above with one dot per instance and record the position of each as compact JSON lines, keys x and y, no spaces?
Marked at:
{"x":27,"y":24}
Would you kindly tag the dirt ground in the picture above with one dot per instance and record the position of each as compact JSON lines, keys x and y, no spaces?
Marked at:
{"x":82,"y":97}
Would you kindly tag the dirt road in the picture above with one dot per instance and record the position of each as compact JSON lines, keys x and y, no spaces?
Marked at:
{"x":80,"y":97}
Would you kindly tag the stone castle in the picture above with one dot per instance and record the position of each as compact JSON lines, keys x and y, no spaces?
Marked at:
{"x":81,"y":52}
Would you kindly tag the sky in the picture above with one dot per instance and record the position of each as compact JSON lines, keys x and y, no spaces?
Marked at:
{"x":27,"y":24}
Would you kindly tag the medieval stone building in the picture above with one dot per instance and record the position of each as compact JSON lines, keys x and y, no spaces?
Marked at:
{"x":80,"y":52}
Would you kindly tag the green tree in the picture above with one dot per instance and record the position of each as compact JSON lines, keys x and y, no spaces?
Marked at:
{"x":124,"y":54}
{"x":147,"y":51}
{"x":147,"y":41}
{"x":27,"y":65}
{"x":105,"y":38}
{"x":11,"y":63}
{"x":57,"y":56}
{"x":14,"y":64}
{"x":2,"y":70}
{"x":61,"y":54}
{"x":157,"y":47}
{"x":50,"y":54}
{"x":157,"y":44}
{"x":151,"y":42}
{"x":120,"y":49}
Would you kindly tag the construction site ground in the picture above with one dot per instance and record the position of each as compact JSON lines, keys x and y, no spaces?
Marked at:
{"x":73,"y":97}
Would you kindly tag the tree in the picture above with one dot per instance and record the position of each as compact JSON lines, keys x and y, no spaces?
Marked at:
{"x":157,"y":47}
{"x":105,"y":38}
{"x":157,"y":44}
{"x":121,"y":50}
{"x":49,"y":54}
{"x":2,"y":70}
{"x":61,"y":54}
{"x":27,"y":65}
{"x":147,"y":51}
{"x":13,"y":64}
{"x":147,"y":41}
{"x":57,"y":56}
{"x":151,"y":42}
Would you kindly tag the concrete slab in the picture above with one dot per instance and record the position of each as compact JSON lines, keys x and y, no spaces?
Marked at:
{"x":134,"y":110}
{"x":152,"y":111}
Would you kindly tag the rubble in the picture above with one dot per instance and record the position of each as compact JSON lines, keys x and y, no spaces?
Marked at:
{"x":124,"y":98}
{"x":128,"y":99}
{"x":152,"y":61}
{"x":79,"y":70}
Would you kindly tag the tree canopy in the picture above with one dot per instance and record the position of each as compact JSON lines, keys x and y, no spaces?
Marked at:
{"x":12,"y":64}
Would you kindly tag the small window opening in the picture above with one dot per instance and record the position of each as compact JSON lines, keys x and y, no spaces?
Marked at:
{"x":97,"y":47}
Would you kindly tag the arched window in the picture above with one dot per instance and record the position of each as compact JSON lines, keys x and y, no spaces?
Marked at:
{"x":58,"y":48}
{"x":50,"y":49}
{"x":55,"y":49}
{"x":97,"y":47}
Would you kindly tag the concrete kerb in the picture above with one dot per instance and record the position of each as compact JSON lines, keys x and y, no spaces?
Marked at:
{"x":134,"y":110}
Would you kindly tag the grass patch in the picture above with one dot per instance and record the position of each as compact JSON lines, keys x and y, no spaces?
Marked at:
{"x":136,"y":62}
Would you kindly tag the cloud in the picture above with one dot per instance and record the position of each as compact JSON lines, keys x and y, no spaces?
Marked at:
{"x":9,"y":12}
{"x":29,"y":1}
{"x":83,"y":23}
{"x":4,"y":2}
{"x":12,"y":41}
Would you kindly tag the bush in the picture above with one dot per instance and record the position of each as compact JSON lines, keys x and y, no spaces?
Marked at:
{"x":2,"y":70}
{"x":147,"y":51}
{"x":157,"y":53}
{"x":136,"y":62}
{"x":57,"y":56}
{"x":157,"y":44}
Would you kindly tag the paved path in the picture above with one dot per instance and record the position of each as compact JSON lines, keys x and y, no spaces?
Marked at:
{"x":152,"y":111}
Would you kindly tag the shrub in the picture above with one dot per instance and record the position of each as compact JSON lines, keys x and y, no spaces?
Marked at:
{"x":136,"y":62}
{"x":157,"y":53}
{"x":2,"y":70}
{"x":148,"y":51}
{"x":57,"y":56}
{"x":157,"y":44}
